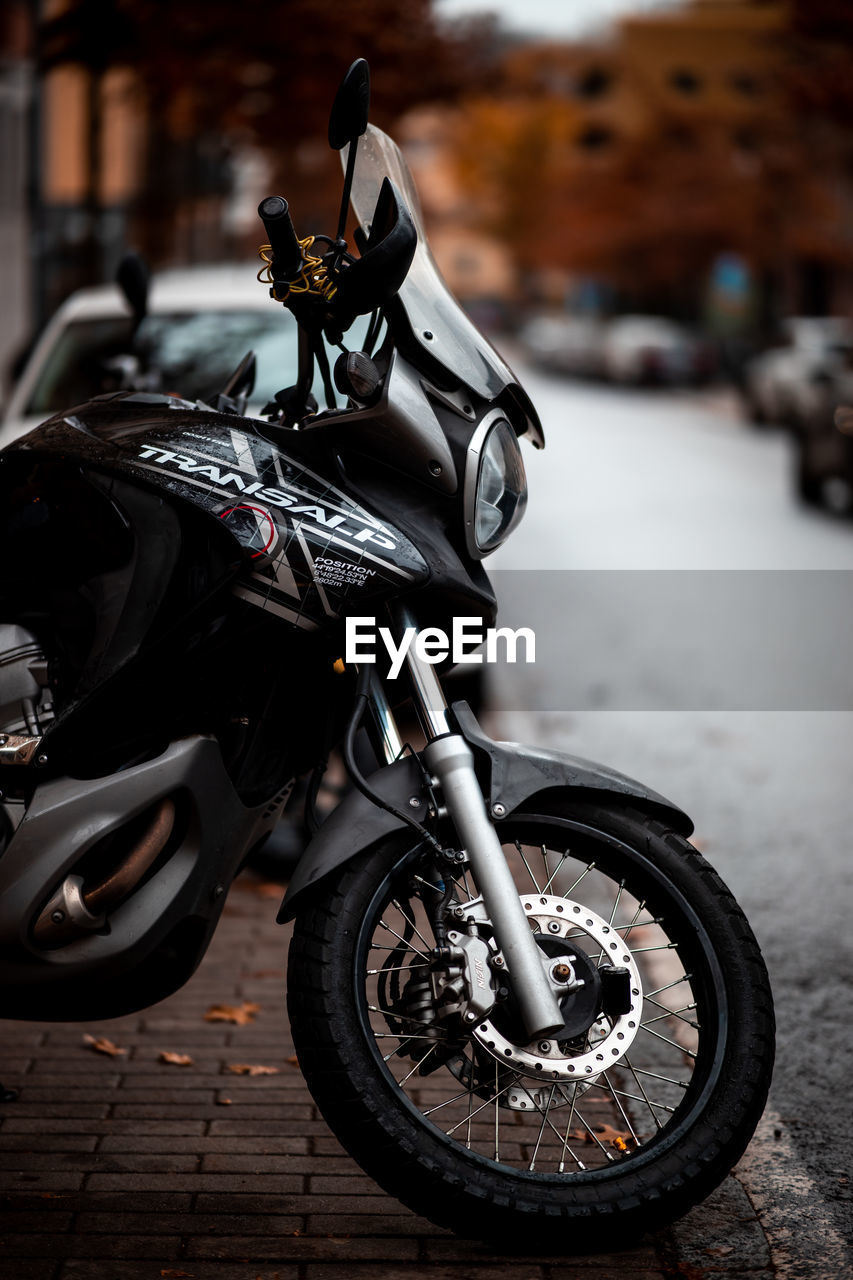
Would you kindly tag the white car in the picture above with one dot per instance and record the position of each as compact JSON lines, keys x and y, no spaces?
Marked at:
{"x":200,"y":323}
{"x":787,"y":384}
{"x":564,"y":344}
{"x":653,"y":349}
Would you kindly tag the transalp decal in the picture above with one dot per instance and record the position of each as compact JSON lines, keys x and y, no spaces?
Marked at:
{"x":220,"y":476}
{"x":310,"y":547}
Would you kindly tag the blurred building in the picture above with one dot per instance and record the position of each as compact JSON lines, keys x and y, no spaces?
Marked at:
{"x":478,"y":267}
{"x":112,"y":161}
{"x":669,"y":167}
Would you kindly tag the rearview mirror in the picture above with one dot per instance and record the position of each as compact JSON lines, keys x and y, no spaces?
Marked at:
{"x":348,"y":117}
{"x":132,"y":277}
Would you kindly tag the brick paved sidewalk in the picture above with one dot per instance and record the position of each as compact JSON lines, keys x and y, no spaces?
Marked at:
{"x":126,"y":1168}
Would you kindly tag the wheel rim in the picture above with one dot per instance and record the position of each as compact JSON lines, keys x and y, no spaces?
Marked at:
{"x":576,"y":1114}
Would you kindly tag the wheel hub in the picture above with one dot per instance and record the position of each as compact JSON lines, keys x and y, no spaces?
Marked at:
{"x":579,"y":949}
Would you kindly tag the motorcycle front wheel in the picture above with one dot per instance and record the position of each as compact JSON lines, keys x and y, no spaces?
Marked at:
{"x":625,"y":1118}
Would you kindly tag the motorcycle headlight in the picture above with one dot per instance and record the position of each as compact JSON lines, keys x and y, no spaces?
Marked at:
{"x":495,"y":486}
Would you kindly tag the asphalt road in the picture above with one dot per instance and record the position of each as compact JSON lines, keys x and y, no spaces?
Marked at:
{"x":655,"y":482}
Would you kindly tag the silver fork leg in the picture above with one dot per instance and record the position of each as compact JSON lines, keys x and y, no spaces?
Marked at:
{"x":451,"y":760}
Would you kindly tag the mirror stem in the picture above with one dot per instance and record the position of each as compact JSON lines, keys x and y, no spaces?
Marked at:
{"x":348,"y":177}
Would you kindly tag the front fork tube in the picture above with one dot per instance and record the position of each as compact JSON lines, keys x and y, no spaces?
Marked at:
{"x":449,"y":758}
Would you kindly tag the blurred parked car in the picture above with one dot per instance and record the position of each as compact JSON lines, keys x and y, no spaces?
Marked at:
{"x":824,"y":446}
{"x":788,"y":384}
{"x":652,"y":349}
{"x":197,"y":320}
{"x":564,"y":344}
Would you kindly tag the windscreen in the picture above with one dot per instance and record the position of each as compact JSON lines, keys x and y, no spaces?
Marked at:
{"x":429,"y":305}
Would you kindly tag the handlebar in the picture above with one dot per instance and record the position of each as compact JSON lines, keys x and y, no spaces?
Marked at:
{"x":287,"y":252}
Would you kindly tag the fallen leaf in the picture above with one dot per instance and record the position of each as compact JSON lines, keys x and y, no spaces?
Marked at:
{"x":100,"y":1044}
{"x":250,"y":1069}
{"x":175,"y":1059}
{"x":293,"y":1061}
{"x":223,"y":1102}
{"x":604,"y":1133}
{"x":239,"y":1014}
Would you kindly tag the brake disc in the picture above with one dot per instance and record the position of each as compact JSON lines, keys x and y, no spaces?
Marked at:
{"x":607,"y":1040}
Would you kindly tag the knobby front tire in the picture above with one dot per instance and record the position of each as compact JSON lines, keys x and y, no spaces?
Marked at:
{"x":491,"y":1137}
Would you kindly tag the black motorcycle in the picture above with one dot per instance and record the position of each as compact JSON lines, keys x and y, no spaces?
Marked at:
{"x":523,"y":1001}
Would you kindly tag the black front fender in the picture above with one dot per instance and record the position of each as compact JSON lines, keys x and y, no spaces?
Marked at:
{"x":510,"y":774}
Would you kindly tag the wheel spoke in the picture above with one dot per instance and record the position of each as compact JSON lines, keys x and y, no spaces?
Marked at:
{"x":497,"y":1120}
{"x":470,"y":1106}
{"x":595,"y":1137}
{"x":550,"y":880}
{"x":673,"y":1013}
{"x":561,"y":1167}
{"x":447,"y":1101}
{"x":405,"y":941}
{"x":388,"y":1035}
{"x":397,"y":967}
{"x":616,"y":903}
{"x":425,"y":941}
{"x":633,"y":924}
{"x":644,"y":1027}
{"x":532,"y":1164}
{"x":659,"y":990}
{"x":585,"y":872}
{"x":622,"y":1111}
{"x":556,"y":1131}
{"x":401,"y":1017}
{"x":654,"y":1075}
{"x":636,"y":1072}
{"x":487,"y":1103}
{"x":417,"y":1065}
{"x":527,"y":865}
{"x":633,"y":1097}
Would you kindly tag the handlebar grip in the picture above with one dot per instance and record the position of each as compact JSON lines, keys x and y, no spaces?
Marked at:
{"x":287,"y":253}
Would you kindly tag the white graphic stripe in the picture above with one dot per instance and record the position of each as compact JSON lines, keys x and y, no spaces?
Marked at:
{"x":243,"y":453}
{"x":307,"y":553}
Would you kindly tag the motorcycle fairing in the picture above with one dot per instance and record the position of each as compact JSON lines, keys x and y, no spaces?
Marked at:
{"x":312,"y":553}
{"x":511,"y":775}
{"x":156,"y":937}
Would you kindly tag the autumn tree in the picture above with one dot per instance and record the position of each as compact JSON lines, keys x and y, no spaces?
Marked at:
{"x":214,"y":75}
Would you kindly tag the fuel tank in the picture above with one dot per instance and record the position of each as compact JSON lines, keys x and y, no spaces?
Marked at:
{"x":312,"y":554}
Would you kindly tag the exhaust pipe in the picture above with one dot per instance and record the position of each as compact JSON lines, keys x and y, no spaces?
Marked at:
{"x":74,"y":909}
